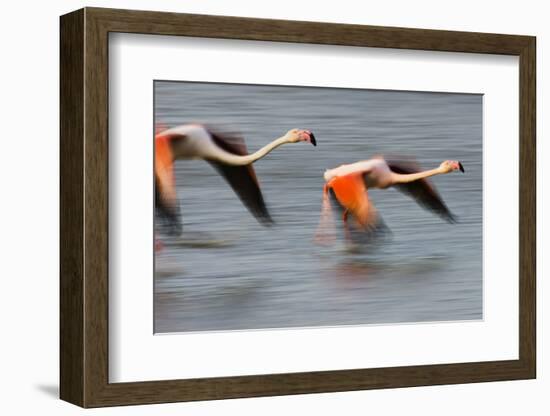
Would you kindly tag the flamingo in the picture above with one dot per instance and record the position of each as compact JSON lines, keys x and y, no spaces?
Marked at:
{"x":350,"y":184}
{"x":228,"y":154}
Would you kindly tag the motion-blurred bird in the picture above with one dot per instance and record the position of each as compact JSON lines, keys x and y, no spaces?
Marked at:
{"x":349,"y":184}
{"x":227,"y":153}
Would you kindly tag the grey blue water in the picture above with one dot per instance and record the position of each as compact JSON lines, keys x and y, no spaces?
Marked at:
{"x":228,"y":272}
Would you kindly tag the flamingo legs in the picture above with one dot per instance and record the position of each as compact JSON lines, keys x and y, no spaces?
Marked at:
{"x":325,"y":233}
{"x":347,"y":232}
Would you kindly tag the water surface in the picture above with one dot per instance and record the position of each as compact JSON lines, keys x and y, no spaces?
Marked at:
{"x":241,"y":275}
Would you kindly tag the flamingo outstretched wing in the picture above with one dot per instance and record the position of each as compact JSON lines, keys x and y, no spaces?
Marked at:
{"x":421,"y":190}
{"x":242,"y":179}
{"x":165,"y":189}
{"x":358,"y":210}
{"x":350,"y":191}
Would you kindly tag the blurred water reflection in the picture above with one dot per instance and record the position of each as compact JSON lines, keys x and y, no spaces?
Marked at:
{"x":230,"y":273}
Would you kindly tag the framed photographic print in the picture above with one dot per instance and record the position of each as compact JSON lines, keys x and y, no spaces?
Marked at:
{"x":255,"y":207}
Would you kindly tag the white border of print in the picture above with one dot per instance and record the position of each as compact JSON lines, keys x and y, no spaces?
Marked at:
{"x":135,"y":354}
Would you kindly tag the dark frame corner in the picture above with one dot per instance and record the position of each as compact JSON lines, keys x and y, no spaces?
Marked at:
{"x":84,"y":207}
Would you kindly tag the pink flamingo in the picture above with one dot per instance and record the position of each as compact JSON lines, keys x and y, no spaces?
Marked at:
{"x":350,"y":184}
{"x":228,"y":154}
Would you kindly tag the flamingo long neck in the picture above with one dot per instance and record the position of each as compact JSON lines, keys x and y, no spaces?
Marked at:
{"x":411,"y":177}
{"x":237,"y":160}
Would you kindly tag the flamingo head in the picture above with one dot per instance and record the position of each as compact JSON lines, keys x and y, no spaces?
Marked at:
{"x":451,"y":166}
{"x":297,"y":135}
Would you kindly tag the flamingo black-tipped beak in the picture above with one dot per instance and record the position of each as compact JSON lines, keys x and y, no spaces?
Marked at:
{"x":312,"y":139}
{"x":461,"y":167}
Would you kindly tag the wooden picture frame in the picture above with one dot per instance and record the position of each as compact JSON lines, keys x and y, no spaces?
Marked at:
{"x":84,"y":207}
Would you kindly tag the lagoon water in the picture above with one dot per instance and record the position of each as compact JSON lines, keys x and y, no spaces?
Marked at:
{"x":228,"y":272}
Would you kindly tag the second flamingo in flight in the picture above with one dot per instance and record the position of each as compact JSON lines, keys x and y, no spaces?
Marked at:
{"x":227,"y":153}
{"x":349,"y":184}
